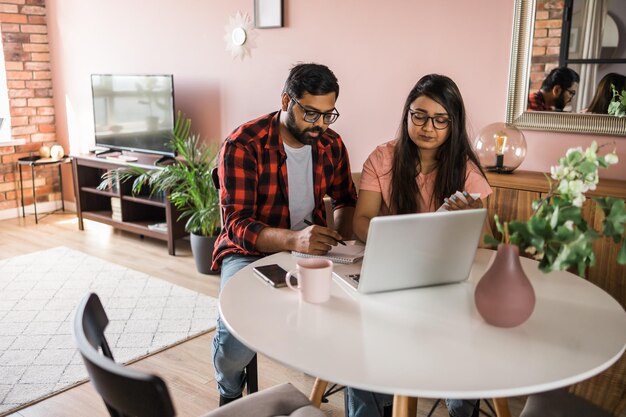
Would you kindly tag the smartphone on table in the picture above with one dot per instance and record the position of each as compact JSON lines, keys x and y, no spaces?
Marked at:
{"x":273,"y":274}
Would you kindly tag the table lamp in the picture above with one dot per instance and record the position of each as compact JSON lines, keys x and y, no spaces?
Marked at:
{"x":500,"y":147}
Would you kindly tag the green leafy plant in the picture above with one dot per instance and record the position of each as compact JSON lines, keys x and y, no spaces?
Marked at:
{"x":556,"y":234}
{"x":187,"y":183}
{"x":617,"y":106}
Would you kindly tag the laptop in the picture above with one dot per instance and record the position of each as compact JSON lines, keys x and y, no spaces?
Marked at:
{"x":416,"y":250}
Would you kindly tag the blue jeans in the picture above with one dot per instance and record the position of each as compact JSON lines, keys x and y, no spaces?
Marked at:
{"x":361,"y":403}
{"x":230,"y":356}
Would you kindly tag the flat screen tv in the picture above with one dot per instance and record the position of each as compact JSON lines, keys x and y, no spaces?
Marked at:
{"x":133,"y":112}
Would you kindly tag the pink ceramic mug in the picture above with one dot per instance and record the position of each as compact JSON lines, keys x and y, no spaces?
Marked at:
{"x":314,"y":278}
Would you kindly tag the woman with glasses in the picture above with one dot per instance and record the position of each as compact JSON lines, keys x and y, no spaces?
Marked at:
{"x":418,"y":172}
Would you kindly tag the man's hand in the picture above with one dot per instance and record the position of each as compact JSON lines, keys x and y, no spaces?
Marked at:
{"x":316,"y":240}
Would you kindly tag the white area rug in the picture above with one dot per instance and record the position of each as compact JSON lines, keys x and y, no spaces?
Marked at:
{"x":38,"y":293}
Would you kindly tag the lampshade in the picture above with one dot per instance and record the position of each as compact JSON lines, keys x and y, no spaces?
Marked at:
{"x":501,"y":147}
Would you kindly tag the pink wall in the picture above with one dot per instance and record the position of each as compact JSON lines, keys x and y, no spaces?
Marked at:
{"x":377,"y":49}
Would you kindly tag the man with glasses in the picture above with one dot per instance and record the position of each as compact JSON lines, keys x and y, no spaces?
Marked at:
{"x":557,"y":91}
{"x":274,"y":173}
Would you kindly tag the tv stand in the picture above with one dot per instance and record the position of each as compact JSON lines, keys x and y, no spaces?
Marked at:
{"x":165,"y":160}
{"x":143,"y":214}
{"x":101,"y":154}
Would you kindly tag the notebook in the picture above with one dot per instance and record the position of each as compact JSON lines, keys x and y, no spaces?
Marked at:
{"x":416,"y":250}
{"x":350,"y":253}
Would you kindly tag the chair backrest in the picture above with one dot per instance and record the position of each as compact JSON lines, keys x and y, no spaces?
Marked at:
{"x":606,"y":390}
{"x":216,"y":182}
{"x":125,"y":392}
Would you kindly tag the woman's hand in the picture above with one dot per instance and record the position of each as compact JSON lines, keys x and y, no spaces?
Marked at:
{"x":456,"y":203}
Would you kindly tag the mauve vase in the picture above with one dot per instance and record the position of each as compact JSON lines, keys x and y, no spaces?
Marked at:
{"x":504,"y":296}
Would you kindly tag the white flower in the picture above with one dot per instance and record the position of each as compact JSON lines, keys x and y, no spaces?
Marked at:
{"x":530,"y":250}
{"x":578,"y":200}
{"x":569,"y":225}
{"x":611,"y":158}
{"x":572,"y":150}
{"x":576,"y":187}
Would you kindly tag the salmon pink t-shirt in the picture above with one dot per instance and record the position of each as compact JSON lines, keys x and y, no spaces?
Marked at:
{"x":376,"y":176}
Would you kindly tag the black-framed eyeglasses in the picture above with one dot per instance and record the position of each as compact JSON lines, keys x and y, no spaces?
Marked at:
{"x":311,"y":116}
{"x":571,"y":92}
{"x":420,"y":119}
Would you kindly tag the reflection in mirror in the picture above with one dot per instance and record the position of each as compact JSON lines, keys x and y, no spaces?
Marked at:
{"x":583,"y":35}
{"x":552,"y":33}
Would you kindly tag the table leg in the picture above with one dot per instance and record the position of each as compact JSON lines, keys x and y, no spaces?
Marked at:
{"x":21,"y":190}
{"x":61,"y":185}
{"x":502,"y":407}
{"x":32,"y":176}
{"x":404,"y":406}
{"x":319,"y":387}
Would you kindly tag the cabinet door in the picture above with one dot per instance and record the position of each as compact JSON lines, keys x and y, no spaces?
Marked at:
{"x":606,"y":273}
{"x":510,"y":204}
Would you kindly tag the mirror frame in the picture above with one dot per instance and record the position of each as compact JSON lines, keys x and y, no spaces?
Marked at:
{"x":517,"y":101}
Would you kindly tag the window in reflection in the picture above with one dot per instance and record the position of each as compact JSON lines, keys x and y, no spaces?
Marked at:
{"x":588,"y":36}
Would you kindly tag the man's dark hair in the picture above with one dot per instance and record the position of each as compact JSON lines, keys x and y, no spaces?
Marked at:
{"x":561,"y":76}
{"x":314,"y":79}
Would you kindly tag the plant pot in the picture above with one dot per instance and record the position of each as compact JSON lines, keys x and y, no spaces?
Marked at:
{"x":202,"y":249}
{"x":504,"y":296}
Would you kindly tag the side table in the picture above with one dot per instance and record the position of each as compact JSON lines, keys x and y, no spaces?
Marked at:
{"x":32,"y":162}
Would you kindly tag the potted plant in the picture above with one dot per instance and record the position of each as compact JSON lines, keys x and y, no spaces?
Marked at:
{"x":617,"y":106}
{"x":556,"y":235}
{"x":188,"y":185}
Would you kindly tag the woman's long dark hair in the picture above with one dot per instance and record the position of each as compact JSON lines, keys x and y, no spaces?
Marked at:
{"x":604,"y":93}
{"x":452,"y":156}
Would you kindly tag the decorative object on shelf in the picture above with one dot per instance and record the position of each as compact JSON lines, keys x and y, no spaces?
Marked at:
{"x":57,"y":152}
{"x":44,"y":151}
{"x":501,"y":147}
{"x":188,"y":182}
{"x":268,"y":13}
{"x":556,"y":234}
{"x":617,"y":106}
{"x":504,"y":296}
{"x":240,"y":35}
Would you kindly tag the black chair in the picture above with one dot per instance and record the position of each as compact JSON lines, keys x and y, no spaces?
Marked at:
{"x":127,"y":392}
{"x":252,"y":377}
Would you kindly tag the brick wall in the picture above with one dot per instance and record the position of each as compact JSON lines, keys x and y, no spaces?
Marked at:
{"x":546,"y":41}
{"x":29,"y":81}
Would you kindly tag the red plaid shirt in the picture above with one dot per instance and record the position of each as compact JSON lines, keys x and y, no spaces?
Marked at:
{"x":254,"y":188}
{"x":536,"y":101}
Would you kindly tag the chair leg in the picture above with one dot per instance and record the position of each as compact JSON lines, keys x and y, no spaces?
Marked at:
{"x":432,"y":410}
{"x":252,"y":376}
{"x":330,"y":391}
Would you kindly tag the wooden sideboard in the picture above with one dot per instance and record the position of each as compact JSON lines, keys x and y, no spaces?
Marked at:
{"x":511,"y":200}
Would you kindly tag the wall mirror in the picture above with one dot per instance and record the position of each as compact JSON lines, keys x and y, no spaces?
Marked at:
{"x":521,"y":71}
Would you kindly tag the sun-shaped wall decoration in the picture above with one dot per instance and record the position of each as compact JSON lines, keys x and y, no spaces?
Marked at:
{"x":240,"y":35}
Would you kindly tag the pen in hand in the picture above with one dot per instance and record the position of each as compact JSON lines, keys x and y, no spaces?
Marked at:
{"x":340,"y":241}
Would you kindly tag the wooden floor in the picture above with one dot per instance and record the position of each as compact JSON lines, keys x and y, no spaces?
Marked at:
{"x":187,"y":367}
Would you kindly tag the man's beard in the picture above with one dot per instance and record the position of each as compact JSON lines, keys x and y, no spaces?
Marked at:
{"x":301,"y":135}
{"x":559,"y":103}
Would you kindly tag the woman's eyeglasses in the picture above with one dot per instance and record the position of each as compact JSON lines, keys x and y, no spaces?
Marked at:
{"x":311,"y":116}
{"x":420,"y":119}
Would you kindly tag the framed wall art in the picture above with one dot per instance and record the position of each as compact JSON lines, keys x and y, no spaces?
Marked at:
{"x":268,"y":14}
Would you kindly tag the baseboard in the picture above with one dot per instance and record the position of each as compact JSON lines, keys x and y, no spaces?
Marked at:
{"x":42,"y":208}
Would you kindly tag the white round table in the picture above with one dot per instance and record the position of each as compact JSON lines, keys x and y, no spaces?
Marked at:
{"x":430,"y":342}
